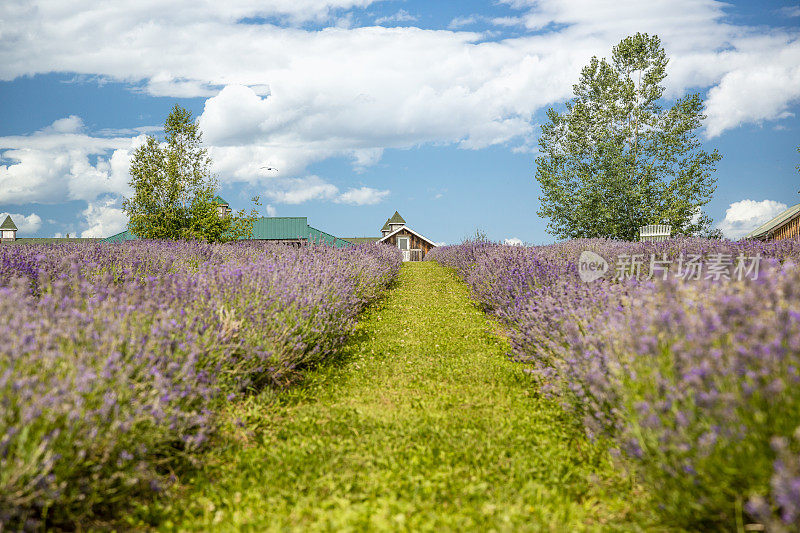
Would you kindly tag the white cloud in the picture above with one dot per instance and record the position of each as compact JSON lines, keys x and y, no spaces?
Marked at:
{"x":104,"y":218}
{"x":56,"y":164}
{"x":460,"y":22}
{"x":124,"y":132}
{"x":790,"y":11}
{"x":70,"y":124}
{"x":401,"y":16}
{"x":754,"y":94}
{"x":26,"y":224}
{"x":271,"y":211}
{"x":744,"y":216}
{"x":362,"y":196}
{"x":366,"y":157}
{"x":300,"y":190}
{"x":305,"y":189}
{"x":513,"y":241}
{"x":292,"y":97}
{"x":736,"y":62}
{"x":507,"y":21}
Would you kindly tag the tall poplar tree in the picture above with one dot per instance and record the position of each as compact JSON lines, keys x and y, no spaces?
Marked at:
{"x":616,"y":159}
{"x":174,"y":189}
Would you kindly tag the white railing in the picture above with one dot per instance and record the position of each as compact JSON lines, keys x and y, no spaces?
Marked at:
{"x":655,"y":232}
{"x":406,"y":255}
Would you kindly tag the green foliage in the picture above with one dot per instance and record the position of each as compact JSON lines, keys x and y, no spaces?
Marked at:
{"x":616,"y":160}
{"x":174,"y":189}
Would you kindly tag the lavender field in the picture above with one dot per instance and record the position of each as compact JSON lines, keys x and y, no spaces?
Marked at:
{"x":695,"y":379}
{"x":124,"y":369}
{"x":114,"y":359}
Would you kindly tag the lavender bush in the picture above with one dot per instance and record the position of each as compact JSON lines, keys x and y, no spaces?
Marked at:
{"x":696,"y":381}
{"x":113,"y":357}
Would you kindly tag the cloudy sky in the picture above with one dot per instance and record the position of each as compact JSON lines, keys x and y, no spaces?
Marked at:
{"x":366,"y":107}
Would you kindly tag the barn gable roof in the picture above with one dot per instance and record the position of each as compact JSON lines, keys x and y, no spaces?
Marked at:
{"x":8,"y":223}
{"x":775,"y":223}
{"x":398,"y":230}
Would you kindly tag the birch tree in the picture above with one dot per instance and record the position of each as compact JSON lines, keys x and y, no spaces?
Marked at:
{"x":174,"y":188}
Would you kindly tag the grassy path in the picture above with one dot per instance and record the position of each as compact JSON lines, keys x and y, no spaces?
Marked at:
{"x":423,"y":424}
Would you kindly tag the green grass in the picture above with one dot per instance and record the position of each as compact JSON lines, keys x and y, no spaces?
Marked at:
{"x":421,"y":424}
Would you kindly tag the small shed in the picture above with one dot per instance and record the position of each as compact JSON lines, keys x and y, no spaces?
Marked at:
{"x":396,"y":233}
{"x":412,"y":245}
{"x":223,"y":208}
{"x":8,"y":230}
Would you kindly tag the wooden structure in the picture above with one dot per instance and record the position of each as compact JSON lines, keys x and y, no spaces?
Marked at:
{"x":223,"y":209}
{"x":655,"y":232}
{"x":8,"y":230}
{"x":784,"y":226}
{"x":412,"y":245}
{"x":395,"y":232}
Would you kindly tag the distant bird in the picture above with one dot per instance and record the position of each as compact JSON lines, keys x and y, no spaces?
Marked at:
{"x":271,"y":168}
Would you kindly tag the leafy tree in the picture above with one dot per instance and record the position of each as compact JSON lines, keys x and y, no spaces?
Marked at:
{"x":616,"y":160}
{"x":174,"y":189}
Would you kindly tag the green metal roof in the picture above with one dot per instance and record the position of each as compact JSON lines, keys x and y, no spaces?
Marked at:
{"x":219,"y":200}
{"x":280,"y":228}
{"x":273,"y":228}
{"x":122,"y":237}
{"x":316,"y":236}
{"x":396,"y":219}
{"x":773,"y":224}
{"x":8,"y":223}
{"x":386,"y":226}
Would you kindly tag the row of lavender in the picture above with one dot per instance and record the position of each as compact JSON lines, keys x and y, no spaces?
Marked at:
{"x":114,"y":357}
{"x":695,"y":378}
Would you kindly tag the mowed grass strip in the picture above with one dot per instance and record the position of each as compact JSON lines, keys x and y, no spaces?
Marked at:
{"x":422,"y":424}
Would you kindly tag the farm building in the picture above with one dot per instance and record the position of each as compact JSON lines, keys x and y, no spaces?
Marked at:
{"x":8,"y":230}
{"x":784,"y":226}
{"x":395,"y":232}
{"x":284,"y":230}
{"x":222,"y":206}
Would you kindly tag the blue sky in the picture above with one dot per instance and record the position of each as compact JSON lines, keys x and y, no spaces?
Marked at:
{"x":367,"y":107}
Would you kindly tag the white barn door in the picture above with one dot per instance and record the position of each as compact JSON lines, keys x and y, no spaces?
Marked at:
{"x":405,"y":248}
